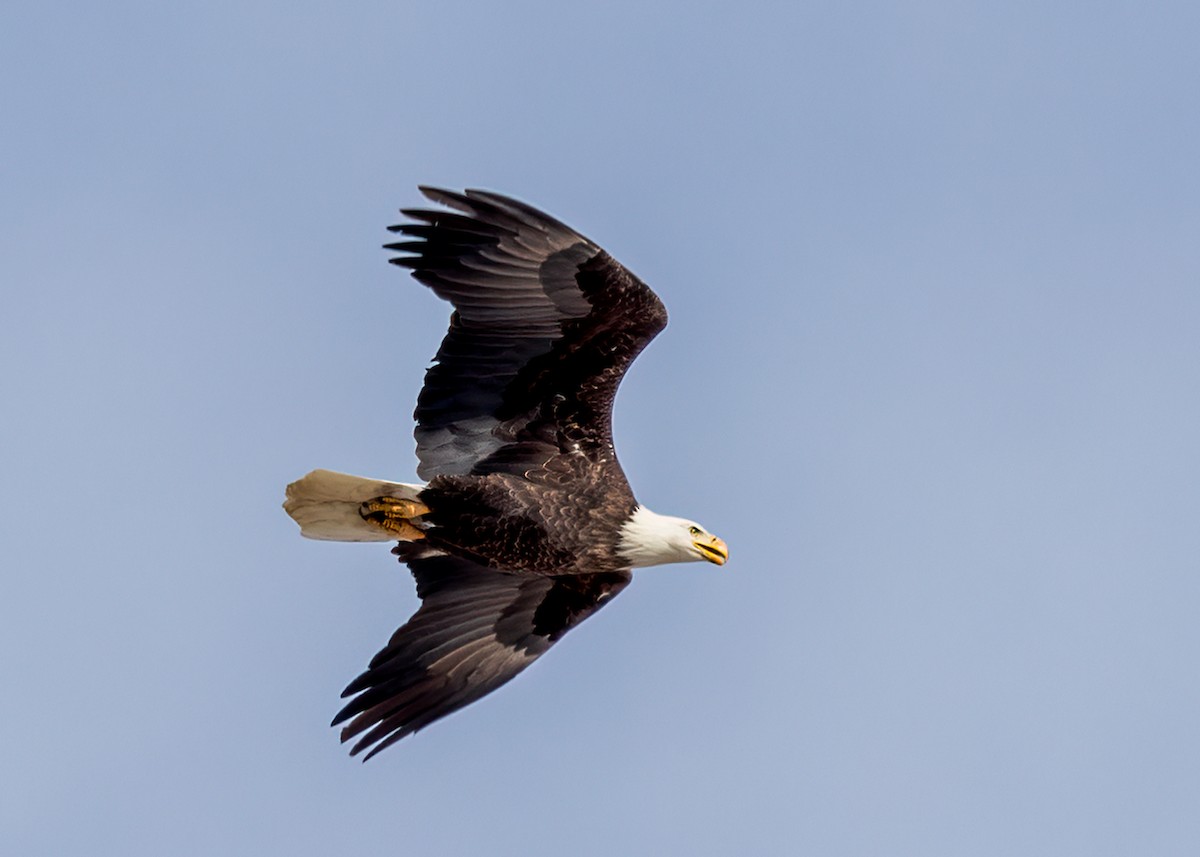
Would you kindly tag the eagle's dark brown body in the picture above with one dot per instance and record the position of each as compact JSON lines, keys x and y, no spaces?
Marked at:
{"x":525,"y":526}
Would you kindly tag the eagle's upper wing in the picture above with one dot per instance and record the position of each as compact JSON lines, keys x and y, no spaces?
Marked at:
{"x":545,"y":325}
{"x":476,"y":629}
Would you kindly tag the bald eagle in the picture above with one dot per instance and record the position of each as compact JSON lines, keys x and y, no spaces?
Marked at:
{"x":525,"y":524}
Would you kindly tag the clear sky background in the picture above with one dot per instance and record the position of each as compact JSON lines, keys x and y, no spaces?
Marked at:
{"x":933,"y":371}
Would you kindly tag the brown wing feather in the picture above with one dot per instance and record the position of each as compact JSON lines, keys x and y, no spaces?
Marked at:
{"x":477,"y":628}
{"x":545,"y":325}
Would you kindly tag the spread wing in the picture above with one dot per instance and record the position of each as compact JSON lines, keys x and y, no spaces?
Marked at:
{"x":544,"y":327}
{"x":476,"y":629}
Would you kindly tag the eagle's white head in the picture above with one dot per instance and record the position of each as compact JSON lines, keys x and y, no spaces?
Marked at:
{"x":648,"y":538}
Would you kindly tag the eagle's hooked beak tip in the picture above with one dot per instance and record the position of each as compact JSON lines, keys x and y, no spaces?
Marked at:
{"x":713,"y":549}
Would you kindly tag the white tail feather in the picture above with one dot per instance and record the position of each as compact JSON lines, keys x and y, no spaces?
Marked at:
{"x":325,"y":504}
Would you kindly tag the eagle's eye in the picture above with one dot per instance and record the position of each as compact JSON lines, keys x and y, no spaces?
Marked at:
{"x":695,"y":531}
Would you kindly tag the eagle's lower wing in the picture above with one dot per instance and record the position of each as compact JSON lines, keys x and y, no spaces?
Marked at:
{"x":545,"y":325}
{"x":476,"y":629}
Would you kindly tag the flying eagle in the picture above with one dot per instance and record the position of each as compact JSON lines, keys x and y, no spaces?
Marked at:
{"x":525,"y":524}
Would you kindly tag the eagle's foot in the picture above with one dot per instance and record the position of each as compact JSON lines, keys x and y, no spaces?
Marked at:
{"x":395,"y":516}
{"x":395,"y":508}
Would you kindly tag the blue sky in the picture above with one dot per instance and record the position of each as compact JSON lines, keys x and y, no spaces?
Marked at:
{"x":933,"y":371}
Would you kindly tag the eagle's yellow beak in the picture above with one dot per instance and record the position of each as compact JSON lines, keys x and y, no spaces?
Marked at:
{"x":712,"y":549}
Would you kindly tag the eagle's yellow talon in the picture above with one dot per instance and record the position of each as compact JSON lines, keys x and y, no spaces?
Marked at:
{"x":395,"y":515}
{"x":403,"y":530}
{"x":395,"y":508}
